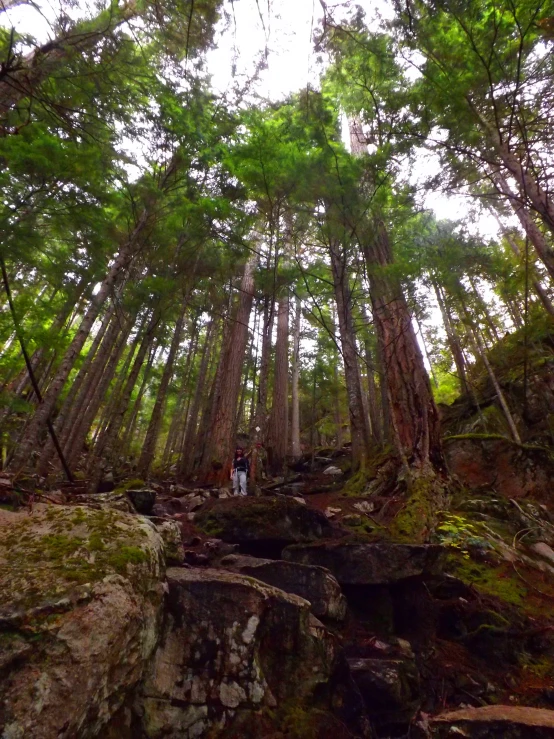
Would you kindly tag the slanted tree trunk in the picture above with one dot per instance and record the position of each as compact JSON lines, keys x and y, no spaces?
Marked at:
{"x":452,"y":339}
{"x":534,"y":234}
{"x":106,"y":447}
{"x":216,"y":462}
{"x":296,"y":450}
{"x":79,"y":433}
{"x":149,"y":447}
{"x":68,"y":412}
{"x":128,"y":434}
{"x":31,"y":440}
{"x":278,"y":422}
{"x":359,"y":423}
{"x":186,"y":460}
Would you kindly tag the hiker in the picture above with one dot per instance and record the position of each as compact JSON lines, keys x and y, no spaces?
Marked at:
{"x":240,"y":469}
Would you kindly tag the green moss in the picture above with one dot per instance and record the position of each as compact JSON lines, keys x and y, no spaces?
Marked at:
{"x":491,"y":580}
{"x":417,"y":519}
{"x":125,"y":556}
{"x":129,"y":485}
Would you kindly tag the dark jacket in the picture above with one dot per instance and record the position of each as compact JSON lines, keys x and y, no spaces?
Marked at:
{"x":241,"y":463}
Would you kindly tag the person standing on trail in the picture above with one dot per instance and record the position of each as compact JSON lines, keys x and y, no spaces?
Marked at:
{"x":240,"y":469}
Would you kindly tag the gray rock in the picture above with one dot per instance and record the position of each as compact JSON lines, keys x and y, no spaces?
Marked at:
{"x":315,"y":584}
{"x":368,"y":564}
{"x":332,"y":470}
{"x":90,"y":582}
{"x":231,"y":646}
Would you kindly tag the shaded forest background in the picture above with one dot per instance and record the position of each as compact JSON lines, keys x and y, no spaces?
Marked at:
{"x":186,"y":269}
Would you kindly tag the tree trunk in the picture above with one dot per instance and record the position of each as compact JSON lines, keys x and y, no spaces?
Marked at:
{"x":296,"y":451}
{"x":127,"y":436}
{"x":534,"y":234}
{"x":414,"y":415}
{"x":76,"y":440}
{"x":66,"y":416}
{"x":373,"y":405}
{"x":216,"y":463}
{"x":149,"y":447}
{"x":359,"y":427}
{"x":278,"y":423}
{"x":452,"y":339}
{"x":106,"y":446}
{"x":31,"y":441}
{"x":186,"y":459}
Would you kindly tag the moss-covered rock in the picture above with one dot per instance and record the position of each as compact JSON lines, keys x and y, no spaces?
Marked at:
{"x":278,"y":521}
{"x":81,"y":599}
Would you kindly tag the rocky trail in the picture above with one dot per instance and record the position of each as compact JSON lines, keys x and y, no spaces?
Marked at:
{"x":173,"y":611}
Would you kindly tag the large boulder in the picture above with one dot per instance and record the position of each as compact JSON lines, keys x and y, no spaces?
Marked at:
{"x":373,"y":563}
{"x":81,"y":603}
{"x":495,"y":722}
{"x":316,"y":584}
{"x":236,"y":653}
{"x":273,"y":522}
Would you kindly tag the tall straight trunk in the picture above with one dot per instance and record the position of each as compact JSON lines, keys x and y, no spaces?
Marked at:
{"x":424,"y":344}
{"x":182,"y":404}
{"x":482,"y":307}
{"x":414,"y":415}
{"x":296,"y":450}
{"x":149,"y":447}
{"x":106,"y":446}
{"x":65,"y":417}
{"x":258,"y":431}
{"x":373,"y":404}
{"x":278,"y":424}
{"x":31,"y":440}
{"x":186,"y":456}
{"x":76,"y":441}
{"x":216,"y":463}
{"x":249,"y":362}
{"x":452,"y":339}
{"x":534,"y":234}
{"x":359,"y":423}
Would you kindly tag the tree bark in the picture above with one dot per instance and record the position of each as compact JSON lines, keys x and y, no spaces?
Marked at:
{"x":534,"y":234}
{"x":31,"y":441}
{"x":149,"y":447}
{"x":278,"y":423}
{"x":296,"y":450}
{"x":359,"y":424}
{"x":216,"y":463}
{"x":414,"y":415}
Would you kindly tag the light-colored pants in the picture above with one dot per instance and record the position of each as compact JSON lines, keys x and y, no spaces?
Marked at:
{"x":239,"y":482}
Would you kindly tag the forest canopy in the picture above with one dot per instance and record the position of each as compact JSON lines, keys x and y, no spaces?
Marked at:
{"x":185,"y":267}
